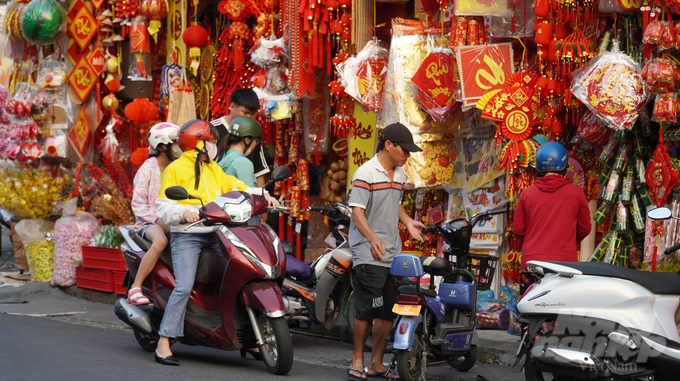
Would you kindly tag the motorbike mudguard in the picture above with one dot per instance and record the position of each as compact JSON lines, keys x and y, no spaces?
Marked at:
{"x":264,"y":297}
{"x":336,"y":270}
{"x":405,"y":340}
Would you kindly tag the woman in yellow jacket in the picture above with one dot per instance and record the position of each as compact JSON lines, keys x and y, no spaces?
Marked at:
{"x":196,"y":171}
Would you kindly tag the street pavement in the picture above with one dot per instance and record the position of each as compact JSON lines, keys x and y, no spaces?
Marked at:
{"x":94,"y":309}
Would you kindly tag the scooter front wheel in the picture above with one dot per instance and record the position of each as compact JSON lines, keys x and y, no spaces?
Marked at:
{"x":277,"y":351}
{"x":411,"y":362}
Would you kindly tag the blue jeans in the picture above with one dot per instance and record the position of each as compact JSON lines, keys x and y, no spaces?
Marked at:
{"x":185,"y":251}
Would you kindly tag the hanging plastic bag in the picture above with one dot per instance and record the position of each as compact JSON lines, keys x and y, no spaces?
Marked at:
{"x":182,"y":103}
{"x":612,"y":87}
{"x":71,"y":232}
{"x":37,"y":237}
{"x":363,"y":75}
{"x":140,"y":69}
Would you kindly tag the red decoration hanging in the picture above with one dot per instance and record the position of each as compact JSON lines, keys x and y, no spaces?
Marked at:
{"x":141,"y":111}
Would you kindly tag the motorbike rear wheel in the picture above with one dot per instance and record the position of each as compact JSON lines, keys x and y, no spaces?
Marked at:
{"x":277,"y":351}
{"x":410,"y":362}
{"x":465,"y":362}
{"x":147,"y":341}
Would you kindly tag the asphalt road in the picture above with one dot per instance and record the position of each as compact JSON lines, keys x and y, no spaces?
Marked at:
{"x":51,"y":349}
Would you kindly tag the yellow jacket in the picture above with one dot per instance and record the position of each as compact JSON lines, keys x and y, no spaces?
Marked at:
{"x":213,"y":184}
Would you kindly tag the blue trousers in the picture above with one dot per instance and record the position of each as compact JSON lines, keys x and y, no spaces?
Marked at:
{"x":185,"y":250}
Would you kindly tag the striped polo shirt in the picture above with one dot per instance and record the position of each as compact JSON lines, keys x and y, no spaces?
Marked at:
{"x":380,"y":197}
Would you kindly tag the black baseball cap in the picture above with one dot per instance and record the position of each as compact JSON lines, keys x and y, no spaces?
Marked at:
{"x":398,"y":133}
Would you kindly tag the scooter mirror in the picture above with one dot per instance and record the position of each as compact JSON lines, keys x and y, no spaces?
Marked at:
{"x":176,"y":193}
{"x":662,"y":213}
{"x":281,"y":173}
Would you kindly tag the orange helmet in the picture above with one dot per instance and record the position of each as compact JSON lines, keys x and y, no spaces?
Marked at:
{"x":192,"y":132}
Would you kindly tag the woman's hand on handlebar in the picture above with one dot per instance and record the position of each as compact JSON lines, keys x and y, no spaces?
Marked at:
{"x":190,"y":216}
{"x":272,"y":202}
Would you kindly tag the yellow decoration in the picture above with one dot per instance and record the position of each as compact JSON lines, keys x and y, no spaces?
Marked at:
{"x":28,"y":192}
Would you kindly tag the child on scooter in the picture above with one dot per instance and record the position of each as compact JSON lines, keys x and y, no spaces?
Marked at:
{"x":147,"y":182}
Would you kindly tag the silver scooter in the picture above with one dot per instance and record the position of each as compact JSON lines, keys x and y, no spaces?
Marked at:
{"x":590,"y":320}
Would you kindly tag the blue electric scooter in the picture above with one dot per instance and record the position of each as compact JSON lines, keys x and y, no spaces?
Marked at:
{"x":436,"y":325}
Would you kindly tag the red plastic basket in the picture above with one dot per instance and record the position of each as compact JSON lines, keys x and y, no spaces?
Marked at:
{"x":94,"y":279}
{"x":104,"y":258}
{"x":118,"y":278}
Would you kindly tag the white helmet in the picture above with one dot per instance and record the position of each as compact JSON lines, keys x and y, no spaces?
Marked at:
{"x":162,"y":133}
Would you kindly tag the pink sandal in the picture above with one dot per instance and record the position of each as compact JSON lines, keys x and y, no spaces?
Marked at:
{"x":136,"y":297}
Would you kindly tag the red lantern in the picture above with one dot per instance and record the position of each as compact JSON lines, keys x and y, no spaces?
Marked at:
{"x":336,"y":27}
{"x":542,"y":8}
{"x":141,"y":110}
{"x":154,"y":9}
{"x":543,"y":34}
{"x":195,"y":36}
{"x":346,"y":35}
{"x":345,"y":3}
{"x":345,"y":20}
{"x":331,"y":4}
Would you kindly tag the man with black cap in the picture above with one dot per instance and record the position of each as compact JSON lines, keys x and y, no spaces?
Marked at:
{"x":377,"y":188}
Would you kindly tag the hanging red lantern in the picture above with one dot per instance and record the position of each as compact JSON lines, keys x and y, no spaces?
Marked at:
{"x":141,"y":111}
{"x":345,"y":3}
{"x":544,"y":33}
{"x":331,"y":4}
{"x":195,"y":37}
{"x":345,"y":20}
{"x":155,"y":11}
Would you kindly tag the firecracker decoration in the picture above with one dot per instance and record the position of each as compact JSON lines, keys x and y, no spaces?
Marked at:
{"x":612,"y":87}
{"x":140,"y":47}
{"x":660,"y":176}
{"x":126,"y":9}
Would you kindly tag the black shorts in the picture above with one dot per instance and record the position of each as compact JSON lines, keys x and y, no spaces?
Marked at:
{"x":374,"y":293}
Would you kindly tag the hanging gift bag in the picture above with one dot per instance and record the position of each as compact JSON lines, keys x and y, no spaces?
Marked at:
{"x":182,"y":105}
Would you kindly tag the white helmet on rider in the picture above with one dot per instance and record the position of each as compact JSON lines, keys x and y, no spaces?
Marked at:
{"x":162,"y":133}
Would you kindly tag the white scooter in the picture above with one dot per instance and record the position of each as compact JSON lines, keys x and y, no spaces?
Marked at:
{"x":590,"y":320}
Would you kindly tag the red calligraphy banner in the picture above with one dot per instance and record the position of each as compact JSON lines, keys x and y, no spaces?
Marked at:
{"x":483,"y":68}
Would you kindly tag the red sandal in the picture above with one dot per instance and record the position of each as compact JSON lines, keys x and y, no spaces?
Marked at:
{"x":136,"y":297}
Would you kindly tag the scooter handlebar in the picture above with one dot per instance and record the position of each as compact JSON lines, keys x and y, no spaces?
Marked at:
{"x":672,"y":249}
{"x":320,"y":208}
{"x":429,"y":229}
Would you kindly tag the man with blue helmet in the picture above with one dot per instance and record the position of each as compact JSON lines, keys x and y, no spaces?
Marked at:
{"x":552,"y":215}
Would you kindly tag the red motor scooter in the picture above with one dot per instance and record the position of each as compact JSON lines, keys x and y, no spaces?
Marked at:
{"x":238,"y":308}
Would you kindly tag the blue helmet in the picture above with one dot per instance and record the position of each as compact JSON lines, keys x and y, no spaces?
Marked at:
{"x":551,"y":157}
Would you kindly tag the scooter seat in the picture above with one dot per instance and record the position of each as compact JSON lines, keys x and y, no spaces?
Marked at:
{"x":656,"y":282}
{"x":436,"y":266}
{"x":411,"y":289}
{"x":145,"y":245}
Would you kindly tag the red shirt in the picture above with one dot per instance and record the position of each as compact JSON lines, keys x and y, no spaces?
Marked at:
{"x":551,"y":217}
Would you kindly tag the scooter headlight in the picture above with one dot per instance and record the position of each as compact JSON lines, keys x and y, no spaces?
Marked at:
{"x":240,"y":211}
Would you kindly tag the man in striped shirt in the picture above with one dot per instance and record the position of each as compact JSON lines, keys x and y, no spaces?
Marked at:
{"x":377,"y":188}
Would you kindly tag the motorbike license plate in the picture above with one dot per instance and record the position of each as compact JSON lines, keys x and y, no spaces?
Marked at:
{"x":405,"y":309}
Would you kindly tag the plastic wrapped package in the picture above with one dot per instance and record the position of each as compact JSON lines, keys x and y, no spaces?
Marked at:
{"x":612,"y":87}
{"x":51,"y":74}
{"x":140,"y":67}
{"x":665,"y":108}
{"x":611,"y":6}
{"x":484,"y":8}
{"x":37,"y":237}
{"x":591,"y":129}
{"x":71,"y":232}
{"x":268,"y":52}
{"x":411,"y":43}
{"x":363,"y":75}
{"x":433,"y":166}
{"x":434,"y":84}
{"x":523,"y":18}
{"x":661,"y":74}
{"x":653,"y":33}
{"x":489,"y":313}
